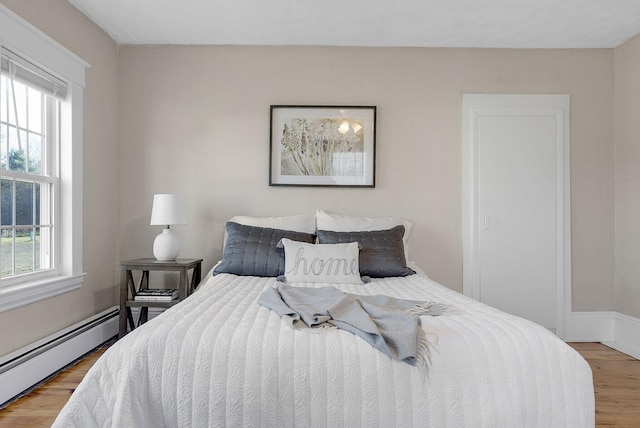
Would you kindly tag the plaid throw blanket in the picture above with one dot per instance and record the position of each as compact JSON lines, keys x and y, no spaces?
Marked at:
{"x":390,"y":325}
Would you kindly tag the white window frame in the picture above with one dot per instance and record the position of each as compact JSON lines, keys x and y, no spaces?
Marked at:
{"x":22,"y":37}
{"x":49,"y":175}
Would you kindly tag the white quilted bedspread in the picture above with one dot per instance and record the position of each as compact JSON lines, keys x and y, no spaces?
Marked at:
{"x":218,"y":359}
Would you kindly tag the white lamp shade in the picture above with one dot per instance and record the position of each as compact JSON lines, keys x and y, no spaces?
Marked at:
{"x":168,"y":209}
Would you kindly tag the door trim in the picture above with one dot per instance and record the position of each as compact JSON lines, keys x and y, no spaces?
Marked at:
{"x":475,"y":106}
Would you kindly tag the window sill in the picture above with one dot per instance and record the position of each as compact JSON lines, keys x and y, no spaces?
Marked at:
{"x":37,"y":290}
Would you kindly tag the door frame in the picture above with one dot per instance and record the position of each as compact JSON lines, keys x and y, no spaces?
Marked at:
{"x":475,"y":106}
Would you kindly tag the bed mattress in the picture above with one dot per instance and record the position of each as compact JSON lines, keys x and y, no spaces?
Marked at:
{"x":219,"y":359}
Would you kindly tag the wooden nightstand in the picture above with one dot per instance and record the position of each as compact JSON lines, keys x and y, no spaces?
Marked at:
{"x":128,"y":287}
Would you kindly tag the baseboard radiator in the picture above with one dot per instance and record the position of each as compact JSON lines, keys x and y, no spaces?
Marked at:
{"x":26,"y":367}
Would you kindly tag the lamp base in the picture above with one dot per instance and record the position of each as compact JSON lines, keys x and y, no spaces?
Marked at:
{"x":166,"y":245}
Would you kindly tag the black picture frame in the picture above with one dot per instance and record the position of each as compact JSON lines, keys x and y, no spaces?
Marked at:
{"x":322,"y":146}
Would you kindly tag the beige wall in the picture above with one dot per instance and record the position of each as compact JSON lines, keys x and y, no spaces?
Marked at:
{"x":627,"y":177}
{"x":66,"y":25}
{"x":195,"y":121}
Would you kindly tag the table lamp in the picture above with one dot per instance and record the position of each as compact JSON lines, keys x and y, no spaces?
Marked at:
{"x":167,"y":210}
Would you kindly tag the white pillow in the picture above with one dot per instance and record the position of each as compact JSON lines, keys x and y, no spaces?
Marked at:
{"x":332,"y":263}
{"x":305,"y":223}
{"x":299,"y":223}
{"x":347,"y":223}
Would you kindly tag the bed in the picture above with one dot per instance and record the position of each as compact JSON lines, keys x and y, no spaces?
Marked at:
{"x":220,"y":359}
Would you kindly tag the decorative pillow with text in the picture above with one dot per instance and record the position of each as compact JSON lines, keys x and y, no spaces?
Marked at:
{"x":328,"y":263}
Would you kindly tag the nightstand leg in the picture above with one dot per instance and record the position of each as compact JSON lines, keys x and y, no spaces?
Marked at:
{"x":132,"y":324}
{"x":122,"y":319}
{"x":144,"y":315}
{"x":182,"y":287}
{"x":195,"y":278}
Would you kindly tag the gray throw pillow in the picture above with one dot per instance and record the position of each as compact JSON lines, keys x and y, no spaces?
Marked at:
{"x":251,"y":251}
{"x":381,"y":251}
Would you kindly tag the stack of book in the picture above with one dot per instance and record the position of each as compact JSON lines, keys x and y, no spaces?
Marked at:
{"x":157,"y":294}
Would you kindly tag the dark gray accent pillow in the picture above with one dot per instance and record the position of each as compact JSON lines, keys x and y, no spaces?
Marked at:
{"x":251,"y":251}
{"x":381,"y":251}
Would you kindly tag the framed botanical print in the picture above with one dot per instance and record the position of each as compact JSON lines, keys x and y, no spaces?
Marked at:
{"x":322,"y":146}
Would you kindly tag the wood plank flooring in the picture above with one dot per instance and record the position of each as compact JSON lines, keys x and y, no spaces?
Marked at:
{"x":616,"y":379}
{"x":41,"y":406}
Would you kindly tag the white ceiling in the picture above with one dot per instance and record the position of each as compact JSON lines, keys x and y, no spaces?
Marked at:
{"x":436,"y":23}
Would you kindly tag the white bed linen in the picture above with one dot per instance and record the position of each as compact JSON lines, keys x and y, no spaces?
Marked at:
{"x":219,"y":359}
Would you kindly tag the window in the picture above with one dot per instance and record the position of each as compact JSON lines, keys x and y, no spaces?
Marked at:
{"x":41,"y":103}
{"x":29,"y":179}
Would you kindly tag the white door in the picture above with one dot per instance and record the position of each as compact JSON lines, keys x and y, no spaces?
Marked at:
{"x":516,"y":204}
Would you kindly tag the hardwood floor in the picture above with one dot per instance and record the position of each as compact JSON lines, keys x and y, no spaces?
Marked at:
{"x":41,"y":406}
{"x":616,"y":378}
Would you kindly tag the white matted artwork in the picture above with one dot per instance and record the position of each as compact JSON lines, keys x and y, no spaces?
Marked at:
{"x":322,"y":146}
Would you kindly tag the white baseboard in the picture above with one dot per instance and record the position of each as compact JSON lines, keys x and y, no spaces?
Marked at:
{"x":627,"y":338}
{"x":590,"y":327}
{"x":618,"y":331}
{"x":26,"y":367}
